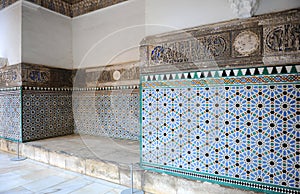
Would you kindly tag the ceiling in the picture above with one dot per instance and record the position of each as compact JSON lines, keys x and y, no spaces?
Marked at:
{"x":105,"y":2}
{"x":72,"y":1}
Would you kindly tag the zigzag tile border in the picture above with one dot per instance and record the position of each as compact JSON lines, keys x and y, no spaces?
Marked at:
{"x":10,"y":89}
{"x":255,"y":71}
{"x":107,"y":88}
{"x":223,"y":81}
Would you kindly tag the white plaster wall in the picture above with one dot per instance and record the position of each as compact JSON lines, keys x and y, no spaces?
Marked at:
{"x":109,"y":36}
{"x":46,"y":37}
{"x":169,"y":15}
{"x":10,"y":33}
{"x":112,"y":35}
{"x":268,"y":6}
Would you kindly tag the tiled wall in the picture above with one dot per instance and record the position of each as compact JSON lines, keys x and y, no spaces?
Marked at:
{"x":239,"y":129}
{"x":46,"y":113}
{"x":35,"y":102}
{"x":110,"y":112}
{"x":51,"y":107}
{"x":10,"y":102}
{"x":46,"y":102}
{"x":10,"y":113}
{"x":106,"y":101}
{"x":221,"y":103}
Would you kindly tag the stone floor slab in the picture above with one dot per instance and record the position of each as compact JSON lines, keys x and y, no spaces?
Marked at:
{"x":30,"y":176}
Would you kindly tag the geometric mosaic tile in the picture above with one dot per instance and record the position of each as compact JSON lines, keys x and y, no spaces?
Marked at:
{"x":246,"y":135}
{"x":10,"y":114}
{"x":46,"y":114}
{"x":112,"y":113}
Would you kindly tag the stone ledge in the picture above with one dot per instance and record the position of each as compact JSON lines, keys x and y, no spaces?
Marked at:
{"x":150,"y":182}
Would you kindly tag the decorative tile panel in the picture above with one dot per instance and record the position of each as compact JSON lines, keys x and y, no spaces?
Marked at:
{"x":241,"y":129}
{"x":107,"y":112}
{"x":44,"y":76}
{"x":10,"y":76}
{"x":45,"y":102}
{"x":10,"y":113}
{"x":47,"y":112}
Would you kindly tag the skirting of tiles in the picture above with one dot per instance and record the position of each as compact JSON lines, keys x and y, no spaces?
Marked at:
{"x":10,"y":113}
{"x":227,"y":126}
{"x":46,"y":114}
{"x":28,"y":113}
{"x":46,"y":99}
{"x":110,"y":112}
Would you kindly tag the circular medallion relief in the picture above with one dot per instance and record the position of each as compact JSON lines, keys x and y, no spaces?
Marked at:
{"x":246,"y":43}
{"x":116,"y":75}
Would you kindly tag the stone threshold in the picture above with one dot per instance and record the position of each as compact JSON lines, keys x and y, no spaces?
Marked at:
{"x":60,"y":152}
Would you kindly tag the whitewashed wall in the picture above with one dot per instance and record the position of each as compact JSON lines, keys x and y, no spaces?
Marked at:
{"x":109,"y":36}
{"x":32,"y":34}
{"x":100,"y":37}
{"x":267,"y":6}
{"x":10,"y":33}
{"x":168,"y":15}
{"x":46,"y":37}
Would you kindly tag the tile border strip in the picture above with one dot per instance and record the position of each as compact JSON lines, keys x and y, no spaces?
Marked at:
{"x":253,"y":80}
{"x":223,"y":73}
{"x":226,"y":181}
{"x":35,"y":88}
{"x":10,"y":89}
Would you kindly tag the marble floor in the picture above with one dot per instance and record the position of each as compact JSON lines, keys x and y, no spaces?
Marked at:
{"x":29,"y":176}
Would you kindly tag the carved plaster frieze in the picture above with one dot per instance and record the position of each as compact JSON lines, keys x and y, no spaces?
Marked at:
{"x":265,"y":39}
